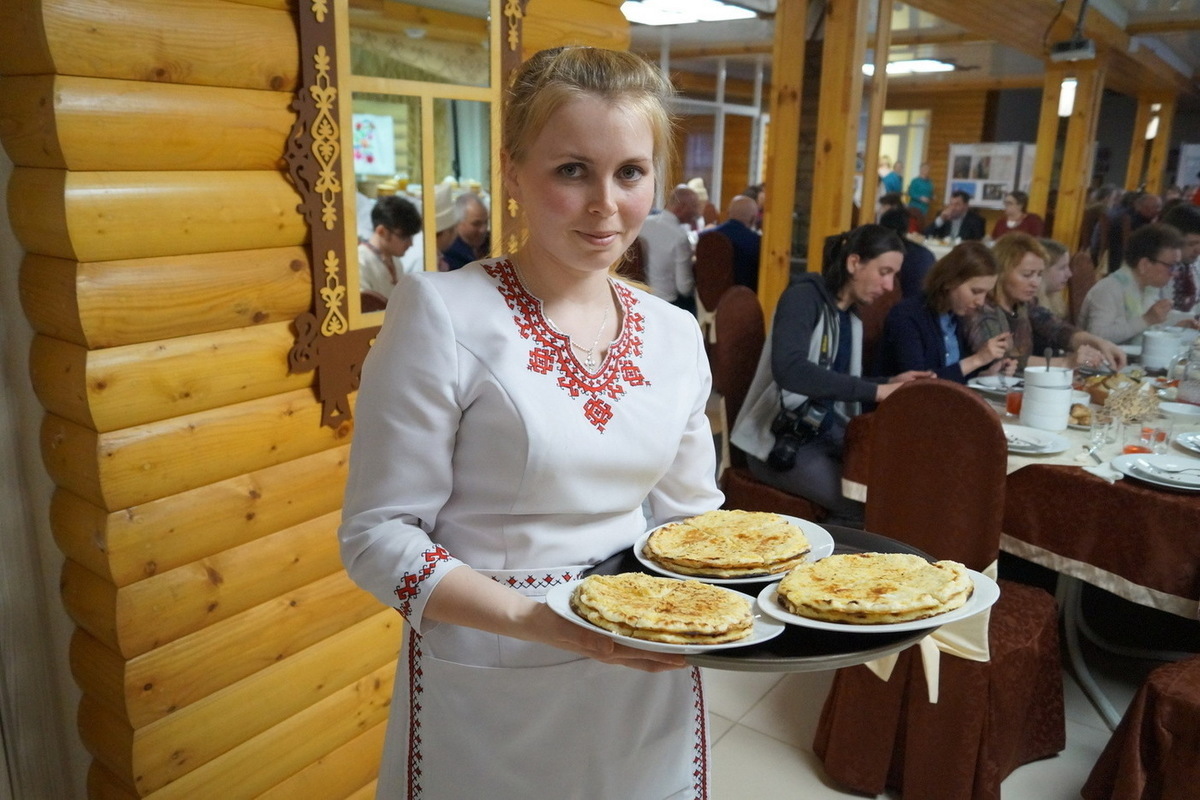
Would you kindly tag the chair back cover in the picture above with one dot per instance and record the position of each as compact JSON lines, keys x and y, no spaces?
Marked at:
{"x":740,"y":337}
{"x":713,"y":268}
{"x":1083,"y":277}
{"x":938,"y":460}
{"x":633,"y":266}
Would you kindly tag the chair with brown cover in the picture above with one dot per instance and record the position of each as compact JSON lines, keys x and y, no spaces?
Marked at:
{"x":373,"y":301}
{"x":740,"y":337}
{"x":1083,"y":277}
{"x":1152,"y":755}
{"x":713,"y":271}
{"x":633,"y":266}
{"x":936,"y":481}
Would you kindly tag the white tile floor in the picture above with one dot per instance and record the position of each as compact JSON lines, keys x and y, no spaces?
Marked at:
{"x":763,"y":724}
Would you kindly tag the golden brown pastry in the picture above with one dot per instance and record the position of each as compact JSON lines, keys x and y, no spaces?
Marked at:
{"x":663,"y":609}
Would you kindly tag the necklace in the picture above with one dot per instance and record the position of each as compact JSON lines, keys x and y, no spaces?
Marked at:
{"x":589,"y":353}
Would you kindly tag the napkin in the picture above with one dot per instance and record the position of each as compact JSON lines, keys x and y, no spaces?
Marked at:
{"x":1105,"y":471}
{"x":966,"y":638}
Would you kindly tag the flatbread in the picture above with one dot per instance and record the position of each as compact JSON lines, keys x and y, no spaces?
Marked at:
{"x":874,"y":588}
{"x":728,"y":544}
{"x":663,"y":609}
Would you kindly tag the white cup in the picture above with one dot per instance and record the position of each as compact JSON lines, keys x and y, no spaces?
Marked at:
{"x":1048,"y":397}
{"x":1158,"y":348}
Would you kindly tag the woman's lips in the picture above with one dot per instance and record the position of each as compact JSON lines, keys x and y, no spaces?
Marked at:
{"x":601,"y":238}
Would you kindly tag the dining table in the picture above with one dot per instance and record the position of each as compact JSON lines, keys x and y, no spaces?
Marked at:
{"x":1090,"y":524}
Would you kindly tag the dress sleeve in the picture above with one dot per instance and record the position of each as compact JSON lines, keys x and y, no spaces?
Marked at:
{"x":689,"y":486}
{"x":406,"y":419}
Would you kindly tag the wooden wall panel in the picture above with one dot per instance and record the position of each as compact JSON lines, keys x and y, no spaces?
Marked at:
{"x":554,"y":23}
{"x":112,"y":303}
{"x":735,"y":170}
{"x":141,"y":540}
{"x":345,"y":771}
{"x":120,"y":387}
{"x":65,"y":122}
{"x":99,"y":216}
{"x":956,"y":117}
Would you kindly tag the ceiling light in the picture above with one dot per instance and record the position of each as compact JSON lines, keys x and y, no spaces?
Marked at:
{"x":1066,"y":97}
{"x":911,"y":66}
{"x":1152,"y":128}
{"x":681,"y":12}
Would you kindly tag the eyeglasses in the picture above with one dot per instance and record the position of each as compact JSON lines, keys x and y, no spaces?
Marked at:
{"x":1173,"y":266}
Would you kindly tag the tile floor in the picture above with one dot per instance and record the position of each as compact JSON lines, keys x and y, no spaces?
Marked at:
{"x":763,"y":725}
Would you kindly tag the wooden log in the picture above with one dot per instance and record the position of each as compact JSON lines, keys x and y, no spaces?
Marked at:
{"x":553,"y":23}
{"x":102,"y":784}
{"x":341,"y":773}
{"x":137,"y":618}
{"x":135,"y":465}
{"x":205,"y":42}
{"x":82,"y":124}
{"x":113,"y":303}
{"x":265,"y":760}
{"x":119,"y":387}
{"x":141,"y":541}
{"x":102,"y":216}
{"x":152,"y":756}
{"x":151,"y":686}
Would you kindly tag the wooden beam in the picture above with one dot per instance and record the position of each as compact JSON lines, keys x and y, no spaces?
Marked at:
{"x":706,"y":84}
{"x":837,"y":127}
{"x":1159,"y":145}
{"x":879,"y":88}
{"x":783,"y":139}
{"x":1078,"y":154}
{"x":919,"y":36}
{"x":1137,"y":145}
{"x":1165,"y":23}
{"x":722,"y":50}
{"x":1047,"y":141}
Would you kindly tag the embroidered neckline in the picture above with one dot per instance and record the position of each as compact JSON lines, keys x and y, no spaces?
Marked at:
{"x":552,"y":352}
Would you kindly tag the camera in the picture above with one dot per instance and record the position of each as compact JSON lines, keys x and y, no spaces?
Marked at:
{"x":793,"y":428}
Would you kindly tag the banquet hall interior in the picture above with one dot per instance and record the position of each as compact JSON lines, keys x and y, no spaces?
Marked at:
{"x":181,"y":325}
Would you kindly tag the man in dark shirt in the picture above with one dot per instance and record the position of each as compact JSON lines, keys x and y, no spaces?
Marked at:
{"x":472,"y":231}
{"x":958,"y":220}
{"x":746,"y":243}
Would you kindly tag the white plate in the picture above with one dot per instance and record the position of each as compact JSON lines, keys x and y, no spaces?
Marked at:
{"x":1132,"y":350}
{"x":1189,"y":441}
{"x":765,"y":627}
{"x":1127,"y":465}
{"x":819,"y":541}
{"x":990,"y":384}
{"x":986,"y":593}
{"x":1043,"y":442}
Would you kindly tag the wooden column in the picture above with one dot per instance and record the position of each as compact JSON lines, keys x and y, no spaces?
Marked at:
{"x":883,"y":38}
{"x":1137,"y":145}
{"x":1078,"y":152}
{"x":1047,"y":141}
{"x":837,"y":123}
{"x":783,"y":146}
{"x":1157,"y":163}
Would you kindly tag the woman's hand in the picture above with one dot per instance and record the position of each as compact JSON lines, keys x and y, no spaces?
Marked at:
{"x":989,"y":355}
{"x":894,"y":383}
{"x":565,"y":635}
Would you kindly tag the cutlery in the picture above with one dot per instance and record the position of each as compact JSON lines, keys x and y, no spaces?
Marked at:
{"x":1091,"y":451}
{"x":1171,"y":470}
{"x":1019,"y":442}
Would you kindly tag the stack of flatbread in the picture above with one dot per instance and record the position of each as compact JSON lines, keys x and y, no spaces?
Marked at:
{"x":663,"y":609}
{"x":874,"y":588}
{"x":728,"y":544}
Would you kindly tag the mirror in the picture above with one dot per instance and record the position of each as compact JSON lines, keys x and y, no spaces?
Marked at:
{"x":397,"y":99}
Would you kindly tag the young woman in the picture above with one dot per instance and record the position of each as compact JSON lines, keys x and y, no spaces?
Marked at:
{"x":513,"y":418}
{"x":1016,"y":217}
{"x":924,"y":332}
{"x":1011,"y":308}
{"x":812,"y":365}
{"x":1051,"y":294}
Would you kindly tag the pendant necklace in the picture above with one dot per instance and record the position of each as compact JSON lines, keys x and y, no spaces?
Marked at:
{"x":589,"y":353}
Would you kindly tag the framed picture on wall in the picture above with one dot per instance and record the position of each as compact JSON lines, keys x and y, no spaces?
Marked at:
{"x":988,"y":171}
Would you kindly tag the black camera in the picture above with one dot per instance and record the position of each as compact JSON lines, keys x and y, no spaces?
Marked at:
{"x":793,"y":428}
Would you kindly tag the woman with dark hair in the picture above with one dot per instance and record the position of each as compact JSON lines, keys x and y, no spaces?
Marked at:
{"x":1016,"y":217}
{"x":809,"y":379}
{"x":925,"y":332}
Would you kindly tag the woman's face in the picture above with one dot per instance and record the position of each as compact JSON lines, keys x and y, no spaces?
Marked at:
{"x":971,"y":294}
{"x":1057,"y":274}
{"x":870,"y":280}
{"x":1012,"y":207}
{"x":1022,"y":282}
{"x":586,"y":185}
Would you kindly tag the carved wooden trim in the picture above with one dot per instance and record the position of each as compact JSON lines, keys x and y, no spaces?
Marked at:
{"x":324,"y":341}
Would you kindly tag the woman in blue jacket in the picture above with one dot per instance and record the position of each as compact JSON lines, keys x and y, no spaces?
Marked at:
{"x":925,"y":332}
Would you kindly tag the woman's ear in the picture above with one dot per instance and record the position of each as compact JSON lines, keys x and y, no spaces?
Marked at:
{"x":852,"y":262}
{"x":508,"y":172}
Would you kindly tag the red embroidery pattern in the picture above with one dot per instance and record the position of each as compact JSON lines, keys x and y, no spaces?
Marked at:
{"x":536,"y":580}
{"x":700,"y":760}
{"x":552,"y":351}
{"x":415,"y":688}
{"x":411,"y":587}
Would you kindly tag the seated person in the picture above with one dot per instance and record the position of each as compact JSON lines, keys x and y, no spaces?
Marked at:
{"x":670,"y":251}
{"x":471,"y":230}
{"x":918,"y":259}
{"x":1116,"y":307}
{"x":957,"y":220}
{"x":925,"y":332}
{"x":1016,"y":217}
{"x":1051,"y":294}
{"x":1012,"y":307}
{"x":747,"y":244}
{"x":396,"y":221}
{"x":812,"y":365}
{"x":1185,"y":286}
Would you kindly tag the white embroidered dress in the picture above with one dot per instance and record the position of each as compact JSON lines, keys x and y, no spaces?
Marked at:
{"x":481,"y":439}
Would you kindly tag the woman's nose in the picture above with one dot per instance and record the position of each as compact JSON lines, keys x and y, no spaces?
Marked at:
{"x":603,"y":200}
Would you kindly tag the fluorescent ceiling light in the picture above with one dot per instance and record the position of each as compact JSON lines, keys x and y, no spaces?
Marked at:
{"x":681,"y":12}
{"x":1066,"y":97}
{"x":911,"y":66}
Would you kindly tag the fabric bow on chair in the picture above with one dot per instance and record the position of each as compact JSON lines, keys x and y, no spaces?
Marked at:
{"x":936,"y":479}
{"x":713,"y":270}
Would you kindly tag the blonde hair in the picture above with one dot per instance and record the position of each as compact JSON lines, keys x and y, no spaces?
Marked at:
{"x":1010,"y":250}
{"x":550,"y":78}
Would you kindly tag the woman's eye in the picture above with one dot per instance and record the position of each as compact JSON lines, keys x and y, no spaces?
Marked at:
{"x":570,"y":170}
{"x":630,"y":173}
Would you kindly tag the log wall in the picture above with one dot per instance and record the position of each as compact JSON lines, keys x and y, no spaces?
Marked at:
{"x":220,"y":648}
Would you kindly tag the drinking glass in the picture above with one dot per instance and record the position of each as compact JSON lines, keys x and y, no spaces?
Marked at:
{"x":1139,"y":437}
{"x":1162,"y":436}
{"x":1012,"y":401}
{"x":1103,"y":428}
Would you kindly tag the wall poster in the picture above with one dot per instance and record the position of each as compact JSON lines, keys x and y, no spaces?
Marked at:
{"x":989,"y":171}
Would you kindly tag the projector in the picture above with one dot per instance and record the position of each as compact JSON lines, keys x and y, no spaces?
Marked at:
{"x":1073,"y":50}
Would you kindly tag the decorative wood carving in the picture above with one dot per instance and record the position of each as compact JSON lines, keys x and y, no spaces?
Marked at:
{"x":324,"y":340}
